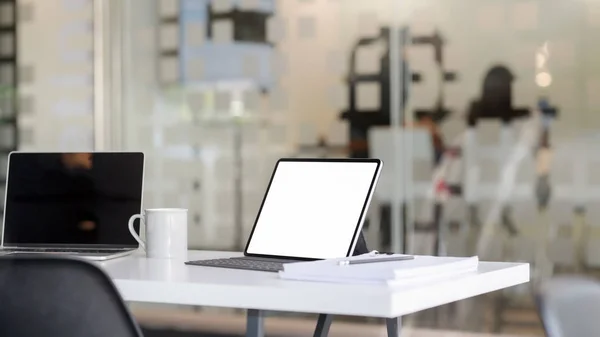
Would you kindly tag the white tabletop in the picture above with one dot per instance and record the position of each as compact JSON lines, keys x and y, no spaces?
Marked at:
{"x":141,"y":279}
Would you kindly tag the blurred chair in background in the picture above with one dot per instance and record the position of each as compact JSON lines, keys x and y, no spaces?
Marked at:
{"x":51,"y":296}
{"x":569,"y":307}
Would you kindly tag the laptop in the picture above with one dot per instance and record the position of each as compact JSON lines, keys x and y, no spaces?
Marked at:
{"x":313,"y":209}
{"x":72,"y":203}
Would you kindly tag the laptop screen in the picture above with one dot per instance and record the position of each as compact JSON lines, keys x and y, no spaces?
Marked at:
{"x":72,"y":199}
{"x":313,"y":209}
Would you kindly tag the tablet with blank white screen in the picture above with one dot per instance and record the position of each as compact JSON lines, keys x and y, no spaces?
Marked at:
{"x":314,"y":208}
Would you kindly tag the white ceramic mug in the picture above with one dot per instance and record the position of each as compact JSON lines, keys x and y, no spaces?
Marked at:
{"x":166,"y":232}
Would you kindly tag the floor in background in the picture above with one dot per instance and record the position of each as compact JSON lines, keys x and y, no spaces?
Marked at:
{"x":421,"y":333}
{"x":175,"y":333}
{"x":182,"y":323}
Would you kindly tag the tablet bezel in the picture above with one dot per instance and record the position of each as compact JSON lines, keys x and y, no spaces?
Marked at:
{"x":361,"y":219}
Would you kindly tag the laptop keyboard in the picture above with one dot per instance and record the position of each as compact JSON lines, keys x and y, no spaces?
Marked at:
{"x":240,"y":263}
{"x":60,"y":250}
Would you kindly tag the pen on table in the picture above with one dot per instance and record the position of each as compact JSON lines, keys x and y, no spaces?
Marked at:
{"x":376,"y":260}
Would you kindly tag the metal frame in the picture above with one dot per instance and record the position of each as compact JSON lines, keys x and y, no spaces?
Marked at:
{"x":12,"y":96}
{"x":255,"y":324}
{"x":323,"y":325}
{"x":109,"y":50}
{"x":100,"y":66}
{"x":394,"y":326}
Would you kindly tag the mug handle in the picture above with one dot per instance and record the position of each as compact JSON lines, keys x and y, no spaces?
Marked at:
{"x":132,"y":230}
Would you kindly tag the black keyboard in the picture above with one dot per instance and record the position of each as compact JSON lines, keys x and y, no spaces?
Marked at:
{"x":241,"y":263}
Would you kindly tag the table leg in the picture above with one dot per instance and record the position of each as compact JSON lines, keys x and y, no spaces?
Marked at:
{"x":393,"y":326}
{"x":323,"y":324}
{"x":255,"y":323}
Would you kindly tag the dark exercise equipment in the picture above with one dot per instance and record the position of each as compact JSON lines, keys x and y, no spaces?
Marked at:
{"x":496,"y":104}
{"x":543,"y":189}
{"x":496,"y":100}
{"x":439,"y":111}
{"x":361,"y":121}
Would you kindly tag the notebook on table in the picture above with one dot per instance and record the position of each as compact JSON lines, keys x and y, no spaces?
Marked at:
{"x":313,"y":209}
{"x":416,"y":270}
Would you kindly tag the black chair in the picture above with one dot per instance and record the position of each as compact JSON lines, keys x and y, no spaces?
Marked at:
{"x":57,"y":296}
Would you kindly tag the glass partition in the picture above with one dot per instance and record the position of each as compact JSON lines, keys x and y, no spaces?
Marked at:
{"x":484,"y":112}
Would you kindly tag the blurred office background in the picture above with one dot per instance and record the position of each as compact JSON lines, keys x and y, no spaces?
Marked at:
{"x":485,"y":112}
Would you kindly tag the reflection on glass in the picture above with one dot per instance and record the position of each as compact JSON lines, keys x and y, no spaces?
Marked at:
{"x":72,"y":198}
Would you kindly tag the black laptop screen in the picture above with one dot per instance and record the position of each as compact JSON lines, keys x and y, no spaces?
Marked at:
{"x":72,"y":199}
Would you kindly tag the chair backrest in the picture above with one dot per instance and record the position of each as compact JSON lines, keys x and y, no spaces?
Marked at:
{"x":569,"y":306}
{"x":56,"y":296}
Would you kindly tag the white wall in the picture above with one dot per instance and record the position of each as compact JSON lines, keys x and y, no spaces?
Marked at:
{"x":55,"y":60}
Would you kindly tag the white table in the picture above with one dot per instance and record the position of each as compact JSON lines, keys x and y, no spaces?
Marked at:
{"x":172,"y":282}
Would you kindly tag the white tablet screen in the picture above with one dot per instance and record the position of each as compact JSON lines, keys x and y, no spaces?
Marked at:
{"x":312,"y":209}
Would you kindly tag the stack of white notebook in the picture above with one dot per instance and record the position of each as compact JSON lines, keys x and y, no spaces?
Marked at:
{"x":420,"y":270}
